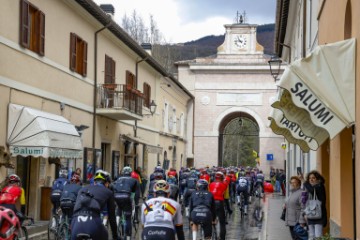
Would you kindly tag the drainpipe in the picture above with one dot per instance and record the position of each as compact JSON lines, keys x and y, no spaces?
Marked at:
{"x":95,"y":93}
{"x":354,"y":178}
{"x":136,"y":82}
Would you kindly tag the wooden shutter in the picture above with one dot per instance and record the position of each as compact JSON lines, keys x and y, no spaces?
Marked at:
{"x":148,"y":95}
{"x":107,"y":70}
{"x":24,"y":24}
{"x":129,"y":79}
{"x":41,"y":42}
{"x":113,"y":70}
{"x":84,"y":65}
{"x":72,"y":51}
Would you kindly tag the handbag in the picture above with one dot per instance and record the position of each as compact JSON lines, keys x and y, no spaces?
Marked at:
{"x":282,"y":217}
{"x":300,"y":232}
{"x":313,"y":208}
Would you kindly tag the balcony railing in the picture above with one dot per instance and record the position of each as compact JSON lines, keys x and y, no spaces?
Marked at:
{"x":119,"y":97}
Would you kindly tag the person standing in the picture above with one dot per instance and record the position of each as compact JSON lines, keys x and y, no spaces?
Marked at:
{"x":293,"y":205}
{"x":314,"y":184}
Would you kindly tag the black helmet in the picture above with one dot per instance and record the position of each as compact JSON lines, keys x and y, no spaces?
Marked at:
{"x":202,"y":184}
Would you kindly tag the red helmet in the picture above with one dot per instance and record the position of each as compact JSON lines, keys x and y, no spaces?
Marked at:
{"x":219,"y":175}
{"x":8,"y":221}
{"x":13,"y":178}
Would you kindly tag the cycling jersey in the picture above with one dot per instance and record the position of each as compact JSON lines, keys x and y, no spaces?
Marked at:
{"x":218,"y":189}
{"x":163,"y":212}
{"x":205,"y":177}
{"x":10,"y":194}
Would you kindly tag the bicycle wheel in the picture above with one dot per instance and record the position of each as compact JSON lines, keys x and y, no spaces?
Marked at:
{"x":64,"y":232}
{"x":52,"y":231}
{"x":22,"y":234}
{"x":214,"y":233}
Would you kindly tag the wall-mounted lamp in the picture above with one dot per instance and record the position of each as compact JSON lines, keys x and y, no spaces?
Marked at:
{"x":152,"y":108}
{"x":80,"y":129}
{"x":275,"y":64}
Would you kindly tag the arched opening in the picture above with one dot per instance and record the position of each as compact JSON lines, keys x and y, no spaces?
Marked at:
{"x":238,"y":140}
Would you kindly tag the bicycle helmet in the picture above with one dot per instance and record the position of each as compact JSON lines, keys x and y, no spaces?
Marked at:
{"x":126,"y":171}
{"x":13,"y":178}
{"x":75,"y":178}
{"x":8,"y":223}
{"x":158,"y":169}
{"x":161,"y":186}
{"x":102,"y":175}
{"x":219,"y":175}
{"x":63,"y":172}
{"x":202,"y":184}
{"x":158,"y":176}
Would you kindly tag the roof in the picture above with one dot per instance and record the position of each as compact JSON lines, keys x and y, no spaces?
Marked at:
{"x":92,"y":8}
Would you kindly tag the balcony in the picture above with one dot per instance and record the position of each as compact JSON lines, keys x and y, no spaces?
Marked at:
{"x":119,"y":102}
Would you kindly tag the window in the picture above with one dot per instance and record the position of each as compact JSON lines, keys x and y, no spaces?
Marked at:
{"x":32,"y":27}
{"x":147,"y":95}
{"x":109,"y":70}
{"x":78,"y":54}
{"x":130,"y":80}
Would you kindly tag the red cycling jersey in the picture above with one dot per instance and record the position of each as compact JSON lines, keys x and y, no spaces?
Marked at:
{"x":10,"y":194}
{"x":205,"y":177}
{"x":232,"y":177}
{"x":172,"y":173}
{"x":218,"y":189}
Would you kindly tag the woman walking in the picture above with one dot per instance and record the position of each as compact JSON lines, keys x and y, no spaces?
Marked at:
{"x":293,"y":206}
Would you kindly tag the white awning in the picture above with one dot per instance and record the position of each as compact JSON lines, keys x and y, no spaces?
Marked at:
{"x":280,"y":125}
{"x":36,"y":133}
{"x":319,"y":91}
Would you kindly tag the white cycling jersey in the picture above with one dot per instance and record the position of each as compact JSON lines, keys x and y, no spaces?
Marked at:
{"x":165,"y":212}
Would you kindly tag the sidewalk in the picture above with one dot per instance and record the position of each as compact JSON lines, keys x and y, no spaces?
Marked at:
{"x":274,"y":228}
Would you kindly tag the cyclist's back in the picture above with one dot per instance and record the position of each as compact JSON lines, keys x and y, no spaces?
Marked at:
{"x":69,"y":196}
{"x":57,"y":188}
{"x":10,"y":195}
{"x":161,"y":215}
{"x":89,"y":203}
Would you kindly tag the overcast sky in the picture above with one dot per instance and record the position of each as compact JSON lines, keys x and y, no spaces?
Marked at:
{"x":187,"y":20}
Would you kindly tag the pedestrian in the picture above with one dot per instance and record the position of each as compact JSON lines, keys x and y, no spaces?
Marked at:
{"x":277,"y":182}
{"x":315,"y":184}
{"x":283,"y":181}
{"x":294,"y":206}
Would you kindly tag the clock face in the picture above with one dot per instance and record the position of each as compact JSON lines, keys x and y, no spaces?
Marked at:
{"x":240,"y":41}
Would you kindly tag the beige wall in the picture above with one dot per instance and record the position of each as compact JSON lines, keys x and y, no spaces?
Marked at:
{"x":332,"y":29}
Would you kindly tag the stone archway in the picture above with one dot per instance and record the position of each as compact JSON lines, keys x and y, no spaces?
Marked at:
{"x":238,"y":140}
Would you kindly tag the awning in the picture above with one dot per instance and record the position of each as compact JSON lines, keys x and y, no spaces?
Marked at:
{"x":36,"y":133}
{"x":280,"y":125}
{"x":319,"y":93}
{"x":151,"y":148}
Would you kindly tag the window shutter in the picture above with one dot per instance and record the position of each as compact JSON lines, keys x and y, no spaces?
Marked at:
{"x":145,"y":94}
{"x":84,"y":69}
{"x":24,"y":24}
{"x":72,"y":51}
{"x":129,"y":79}
{"x":107,"y":70}
{"x":41,"y":46}
{"x":148,"y":95}
{"x":113,"y":70}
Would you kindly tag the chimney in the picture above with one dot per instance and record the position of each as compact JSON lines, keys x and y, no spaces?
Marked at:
{"x":147,"y":47}
{"x":108,"y":9}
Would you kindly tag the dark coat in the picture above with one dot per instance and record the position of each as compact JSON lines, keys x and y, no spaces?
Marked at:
{"x":321,"y":195}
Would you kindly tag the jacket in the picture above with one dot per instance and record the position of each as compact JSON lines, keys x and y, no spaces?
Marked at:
{"x":321,"y":195}
{"x":294,"y":208}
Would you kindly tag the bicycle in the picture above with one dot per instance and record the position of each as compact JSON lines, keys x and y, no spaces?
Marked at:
{"x":258,"y":213}
{"x":242,"y":205}
{"x":22,"y":233}
{"x":64,"y":228}
{"x":53,"y":226}
{"x":135,"y":215}
{"x":121,"y":226}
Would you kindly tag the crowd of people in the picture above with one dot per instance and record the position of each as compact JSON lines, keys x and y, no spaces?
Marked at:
{"x":204,"y":195}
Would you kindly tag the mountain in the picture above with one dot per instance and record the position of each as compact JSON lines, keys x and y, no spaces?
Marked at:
{"x":206,"y":46}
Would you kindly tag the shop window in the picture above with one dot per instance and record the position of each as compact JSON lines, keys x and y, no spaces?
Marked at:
{"x":32,"y":27}
{"x":78,"y":54}
{"x":109,"y":70}
{"x":147,"y":95}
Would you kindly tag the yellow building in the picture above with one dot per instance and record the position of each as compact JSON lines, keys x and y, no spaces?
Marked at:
{"x":302,"y":29}
{"x":71,"y":81}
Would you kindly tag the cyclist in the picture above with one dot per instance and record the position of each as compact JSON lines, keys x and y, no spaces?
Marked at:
{"x":260,"y":182}
{"x":182,"y":182}
{"x":161,"y":216}
{"x":242,"y":187}
{"x":10,"y":195}
{"x":123,"y":188}
{"x":157,"y":171}
{"x":218,"y":188}
{"x":173,"y":173}
{"x":89,"y":203}
{"x":156,"y":177}
{"x":202,"y":209}
{"x":57,"y":188}
{"x":190,"y":188}
{"x":205,"y":175}
{"x":69,"y":195}
{"x":174,"y":189}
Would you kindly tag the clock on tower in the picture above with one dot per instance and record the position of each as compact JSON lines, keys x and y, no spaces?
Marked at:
{"x":240,"y":41}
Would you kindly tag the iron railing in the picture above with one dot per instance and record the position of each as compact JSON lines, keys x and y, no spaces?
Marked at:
{"x":119,"y":96}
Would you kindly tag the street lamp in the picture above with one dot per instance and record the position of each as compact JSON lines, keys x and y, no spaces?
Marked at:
{"x":275,"y":64}
{"x":152,"y":108}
